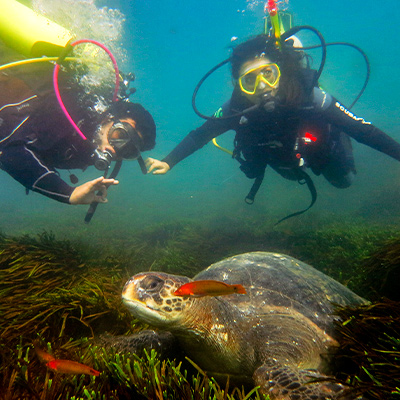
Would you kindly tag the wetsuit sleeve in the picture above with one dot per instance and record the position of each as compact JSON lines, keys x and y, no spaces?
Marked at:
{"x":361,"y":130}
{"x":196,"y":139}
{"x":27,"y":168}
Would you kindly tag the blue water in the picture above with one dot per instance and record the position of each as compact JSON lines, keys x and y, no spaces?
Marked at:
{"x":169,"y":46}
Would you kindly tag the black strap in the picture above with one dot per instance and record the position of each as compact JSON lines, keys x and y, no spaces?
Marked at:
{"x":142,"y":165}
{"x":249,"y":199}
{"x":64,"y":52}
{"x":303,"y":177}
{"x":94,"y":204}
{"x":254,"y":189}
{"x":115,"y":170}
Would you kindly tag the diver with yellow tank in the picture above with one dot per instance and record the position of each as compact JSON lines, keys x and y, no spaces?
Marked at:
{"x":282,"y":118}
{"x":48,"y":122}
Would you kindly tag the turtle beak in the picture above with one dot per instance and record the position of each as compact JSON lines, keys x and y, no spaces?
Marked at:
{"x":138,"y":304}
{"x":148,"y":298}
{"x":141,"y":296}
{"x":128,"y":292}
{"x":133,"y":295}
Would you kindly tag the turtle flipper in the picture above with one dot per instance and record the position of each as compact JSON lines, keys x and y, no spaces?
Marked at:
{"x":285,"y":383}
{"x":163,"y":342}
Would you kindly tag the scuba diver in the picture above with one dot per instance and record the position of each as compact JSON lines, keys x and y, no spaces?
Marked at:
{"x":282,"y":119}
{"x":38,"y":136}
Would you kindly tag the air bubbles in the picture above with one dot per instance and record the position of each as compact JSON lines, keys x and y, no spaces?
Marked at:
{"x":254,"y":4}
{"x":86,"y":21}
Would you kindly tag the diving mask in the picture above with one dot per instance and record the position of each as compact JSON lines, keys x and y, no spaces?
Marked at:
{"x":268,"y":73}
{"x":125,"y":140}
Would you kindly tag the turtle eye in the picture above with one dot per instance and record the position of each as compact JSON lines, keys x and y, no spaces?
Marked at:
{"x":152,"y":283}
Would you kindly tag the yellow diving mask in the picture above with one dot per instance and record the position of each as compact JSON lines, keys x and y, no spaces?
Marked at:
{"x":268,"y":73}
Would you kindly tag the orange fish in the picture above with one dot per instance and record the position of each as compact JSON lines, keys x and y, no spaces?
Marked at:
{"x":43,"y":356}
{"x":208,"y":288}
{"x":71,"y":367}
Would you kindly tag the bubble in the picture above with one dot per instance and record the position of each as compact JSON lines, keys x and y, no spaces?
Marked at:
{"x":255,"y":4}
{"x":87,"y":21}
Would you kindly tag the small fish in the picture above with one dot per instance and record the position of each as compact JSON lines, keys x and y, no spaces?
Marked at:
{"x":43,"y":356}
{"x":208,"y":288}
{"x":71,"y":367}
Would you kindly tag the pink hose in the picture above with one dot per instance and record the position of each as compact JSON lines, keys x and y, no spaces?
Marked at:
{"x":57,"y":90}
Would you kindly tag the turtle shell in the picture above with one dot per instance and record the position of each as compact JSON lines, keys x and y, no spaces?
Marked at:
{"x":277,"y":281}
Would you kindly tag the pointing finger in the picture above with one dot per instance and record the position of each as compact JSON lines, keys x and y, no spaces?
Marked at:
{"x":109,"y":182}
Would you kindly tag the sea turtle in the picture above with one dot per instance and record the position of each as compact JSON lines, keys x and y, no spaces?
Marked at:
{"x":278,"y":335}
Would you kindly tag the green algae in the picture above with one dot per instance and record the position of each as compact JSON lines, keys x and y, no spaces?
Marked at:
{"x":122,"y":376}
{"x":381,"y":272}
{"x":49,"y":287}
{"x":63,"y":293}
{"x":370,"y":346}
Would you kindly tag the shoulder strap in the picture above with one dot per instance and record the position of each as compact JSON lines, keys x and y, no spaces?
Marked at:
{"x":309,"y":77}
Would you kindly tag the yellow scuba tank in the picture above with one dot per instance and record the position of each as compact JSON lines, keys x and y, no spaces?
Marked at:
{"x":30,"y":33}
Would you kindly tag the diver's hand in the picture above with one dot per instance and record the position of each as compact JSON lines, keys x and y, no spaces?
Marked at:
{"x":87,"y":193}
{"x":156,"y":166}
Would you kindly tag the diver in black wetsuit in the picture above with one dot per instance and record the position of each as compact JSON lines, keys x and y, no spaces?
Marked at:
{"x":290,"y":123}
{"x":36,"y":138}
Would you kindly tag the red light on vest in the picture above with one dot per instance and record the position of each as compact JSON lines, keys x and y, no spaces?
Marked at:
{"x":309,"y":137}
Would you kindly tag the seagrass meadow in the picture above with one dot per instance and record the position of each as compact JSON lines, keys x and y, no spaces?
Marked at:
{"x":61,"y":279}
{"x":63,"y":297}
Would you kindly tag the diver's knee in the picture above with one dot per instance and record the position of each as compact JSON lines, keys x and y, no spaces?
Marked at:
{"x":343,"y":182}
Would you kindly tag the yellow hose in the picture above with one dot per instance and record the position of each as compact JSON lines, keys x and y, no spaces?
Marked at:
{"x":31,"y":61}
{"x":221,"y":148}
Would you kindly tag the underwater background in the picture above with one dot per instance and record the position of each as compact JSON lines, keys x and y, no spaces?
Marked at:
{"x":61,"y":279}
{"x":170,"y":45}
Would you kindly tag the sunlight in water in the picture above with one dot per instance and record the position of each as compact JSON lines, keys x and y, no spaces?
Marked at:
{"x":87,"y":21}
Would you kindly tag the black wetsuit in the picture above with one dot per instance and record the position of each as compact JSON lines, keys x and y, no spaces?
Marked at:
{"x":315,"y":135}
{"x":35,"y":136}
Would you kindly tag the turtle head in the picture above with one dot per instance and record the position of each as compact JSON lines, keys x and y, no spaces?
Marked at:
{"x":150,"y":298}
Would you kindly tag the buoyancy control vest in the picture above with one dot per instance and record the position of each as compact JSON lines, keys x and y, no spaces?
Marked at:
{"x":276,"y":135}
